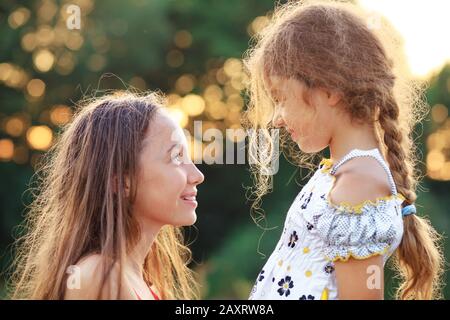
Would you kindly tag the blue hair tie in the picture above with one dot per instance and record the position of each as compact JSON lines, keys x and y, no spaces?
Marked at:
{"x":409,"y":209}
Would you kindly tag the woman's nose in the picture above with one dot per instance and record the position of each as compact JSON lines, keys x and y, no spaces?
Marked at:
{"x":196,"y":176}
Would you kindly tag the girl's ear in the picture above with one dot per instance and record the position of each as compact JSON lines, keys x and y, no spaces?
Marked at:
{"x":333,"y":97}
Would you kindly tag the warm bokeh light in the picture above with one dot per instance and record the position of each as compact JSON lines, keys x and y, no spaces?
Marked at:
{"x":185,"y":83}
{"x":28,"y":42}
{"x":257,"y":25}
{"x":74,"y":41}
{"x":13,"y":76}
{"x":18,"y":17}
{"x":174,"y":100}
{"x":138,"y":83}
{"x":213,"y":93}
{"x":183,"y":39}
{"x":438,"y":145}
{"x":6,"y":149}
{"x":60,"y":115}
{"x":235,"y":100}
{"x":422,"y":25}
{"x":439,"y":113}
{"x":435,"y":160}
{"x":40,"y":137}
{"x":193,"y":104}
{"x":36,"y":88}
{"x":175,"y":58}
{"x":15,"y":126}
{"x":44,"y":36}
{"x":47,"y":10}
{"x":232,"y":67}
{"x":43,"y":60}
{"x":217,"y":110}
{"x":65,"y":63}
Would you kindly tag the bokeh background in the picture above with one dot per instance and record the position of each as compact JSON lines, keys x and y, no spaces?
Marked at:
{"x":191,"y":50}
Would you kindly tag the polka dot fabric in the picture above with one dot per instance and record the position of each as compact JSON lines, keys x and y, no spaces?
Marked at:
{"x":318,"y":233}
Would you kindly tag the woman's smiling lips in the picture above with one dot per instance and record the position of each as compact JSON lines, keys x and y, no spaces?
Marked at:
{"x":190,"y":199}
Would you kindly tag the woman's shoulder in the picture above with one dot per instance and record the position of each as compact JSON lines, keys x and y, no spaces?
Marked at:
{"x":86,"y":277}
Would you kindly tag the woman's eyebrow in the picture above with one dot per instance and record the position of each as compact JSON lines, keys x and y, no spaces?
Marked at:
{"x":172,"y":147}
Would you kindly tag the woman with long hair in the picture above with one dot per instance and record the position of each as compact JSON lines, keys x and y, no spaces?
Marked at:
{"x":106,"y":224}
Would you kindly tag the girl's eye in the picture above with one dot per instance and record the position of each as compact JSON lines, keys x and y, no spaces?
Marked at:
{"x":278,"y":101}
{"x":276,"y":97}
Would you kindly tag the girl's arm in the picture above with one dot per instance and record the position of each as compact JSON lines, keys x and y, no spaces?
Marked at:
{"x":360,"y":279}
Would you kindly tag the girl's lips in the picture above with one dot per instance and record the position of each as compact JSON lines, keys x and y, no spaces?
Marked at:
{"x":292,"y":133}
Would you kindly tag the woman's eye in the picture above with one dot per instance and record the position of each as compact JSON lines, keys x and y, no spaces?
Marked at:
{"x":178,"y":157}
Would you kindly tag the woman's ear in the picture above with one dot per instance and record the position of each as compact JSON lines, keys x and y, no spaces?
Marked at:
{"x":126,"y":185}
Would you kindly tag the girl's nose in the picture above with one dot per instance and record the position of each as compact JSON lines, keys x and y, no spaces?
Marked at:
{"x":277,"y":120}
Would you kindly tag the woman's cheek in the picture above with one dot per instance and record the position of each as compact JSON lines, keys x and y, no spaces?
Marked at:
{"x":155,"y":195}
{"x":175,"y":182}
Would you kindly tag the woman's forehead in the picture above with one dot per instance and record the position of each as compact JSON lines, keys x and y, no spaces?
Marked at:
{"x":163,"y":130}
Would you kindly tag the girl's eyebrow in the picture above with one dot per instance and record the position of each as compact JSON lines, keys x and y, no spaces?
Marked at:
{"x":274,"y":91}
{"x":275,"y":94}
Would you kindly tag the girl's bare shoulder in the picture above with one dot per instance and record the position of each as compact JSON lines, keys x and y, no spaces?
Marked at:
{"x":360,"y":179}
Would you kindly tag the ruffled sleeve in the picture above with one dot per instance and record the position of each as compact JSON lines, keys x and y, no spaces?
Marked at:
{"x":370,"y":230}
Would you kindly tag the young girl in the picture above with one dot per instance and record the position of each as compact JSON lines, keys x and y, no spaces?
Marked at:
{"x":117,"y":187}
{"x":323,"y":73}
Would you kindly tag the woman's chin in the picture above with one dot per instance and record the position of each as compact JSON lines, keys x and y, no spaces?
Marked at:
{"x":188,"y":219}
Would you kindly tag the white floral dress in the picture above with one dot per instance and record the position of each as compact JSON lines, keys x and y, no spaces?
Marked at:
{"x":317,"y":233}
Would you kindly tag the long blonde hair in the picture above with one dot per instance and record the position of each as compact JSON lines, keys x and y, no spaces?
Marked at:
{"x":81,"y":207}
{"x":337,"y":46}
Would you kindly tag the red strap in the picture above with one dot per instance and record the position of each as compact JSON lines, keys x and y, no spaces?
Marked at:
{"x":139,"y":298}
{"x":155,"y":296}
